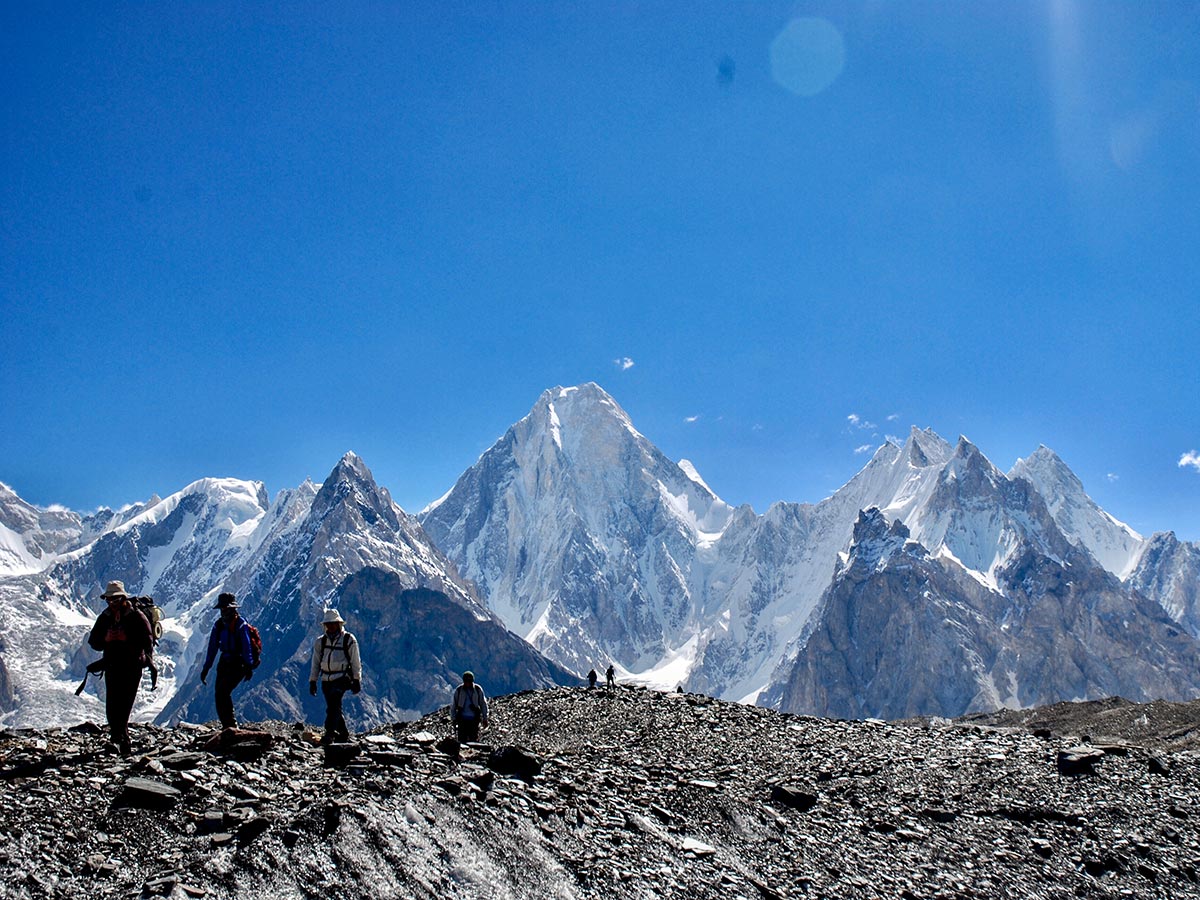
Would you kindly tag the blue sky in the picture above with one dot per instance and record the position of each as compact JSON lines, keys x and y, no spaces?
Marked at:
{"x":241,"y":239}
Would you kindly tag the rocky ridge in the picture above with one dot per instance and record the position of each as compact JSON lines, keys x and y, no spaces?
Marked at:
{"x":622,"y":794}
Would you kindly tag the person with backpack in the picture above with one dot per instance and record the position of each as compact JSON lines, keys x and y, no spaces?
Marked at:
{"x":591,"y":678}
{"x":611,"y":675}
{"x":468,"y":709}
{"x":337,"y":666}
{"x":123,"y":634}
{"x":231,"y":635}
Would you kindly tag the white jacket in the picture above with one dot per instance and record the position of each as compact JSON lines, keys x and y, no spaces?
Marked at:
{"x":334,"y":658}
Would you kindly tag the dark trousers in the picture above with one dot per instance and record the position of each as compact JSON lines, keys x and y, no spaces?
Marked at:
{"x":335,"y":722}
{"x":468,"y":730}
{"x":229,"y":675}
{"x":120,"y":690}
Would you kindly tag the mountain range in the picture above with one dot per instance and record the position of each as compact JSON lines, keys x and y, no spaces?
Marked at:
{"x":930,"y":583}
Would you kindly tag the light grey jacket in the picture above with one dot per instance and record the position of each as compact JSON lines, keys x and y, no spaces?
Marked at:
{"x":336,"y":657}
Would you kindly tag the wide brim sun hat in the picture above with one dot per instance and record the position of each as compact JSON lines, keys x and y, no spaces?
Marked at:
{"x":114,"y":589}
{"x":332,"y":615}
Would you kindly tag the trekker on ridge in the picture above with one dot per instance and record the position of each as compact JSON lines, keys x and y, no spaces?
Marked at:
{"x":468,"y":709}
{"x":122,"y":633}
{"x":337,"y":666}
{"x":231,"y":635}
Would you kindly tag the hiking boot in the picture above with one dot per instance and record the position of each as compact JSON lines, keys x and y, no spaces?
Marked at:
{"x":125,"y":747}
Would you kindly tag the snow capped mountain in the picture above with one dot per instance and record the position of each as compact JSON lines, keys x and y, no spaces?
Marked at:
{"x":568,"y":526}
{"x":1114,"y":544}
{"x":30,"y":535}
{"x":962,"y":587}
{"x":1168,"y":571}
{"x":285,"y":560}
{"x":582,"y":534}
{"x":903,"y":632}
{"x":319,"y":549}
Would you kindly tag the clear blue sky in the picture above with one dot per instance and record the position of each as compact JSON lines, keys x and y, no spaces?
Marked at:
{"x":242,"y":240}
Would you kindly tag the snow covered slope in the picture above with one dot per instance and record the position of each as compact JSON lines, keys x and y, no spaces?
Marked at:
{"x":582,"y":535}
{"x":285,"y":560}
{"x":1114,"y":544}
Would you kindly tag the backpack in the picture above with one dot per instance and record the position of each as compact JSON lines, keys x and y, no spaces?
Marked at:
{"x":153,"y":613}
{"x":255,"y":646}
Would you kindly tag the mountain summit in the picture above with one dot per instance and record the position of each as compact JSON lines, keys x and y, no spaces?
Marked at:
{"x":581,"y":533}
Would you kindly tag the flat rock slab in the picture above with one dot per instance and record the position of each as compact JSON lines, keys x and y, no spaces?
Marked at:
{"x":1079,"y":760}
{"x":182,"y":761}
{"x":145,"y":793}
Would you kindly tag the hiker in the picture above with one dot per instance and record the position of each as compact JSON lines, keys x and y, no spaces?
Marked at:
{"x":469,"y":709}
{"x":336,"y":664}
{"x":591,"y":678}
{"x":611,"y":675}
{"x":122,"y":633}
{"x":231,"y":635}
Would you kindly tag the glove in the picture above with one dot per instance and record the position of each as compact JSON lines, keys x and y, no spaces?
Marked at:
{"x":355,"y":686}
{"x":249,"y":673}
{"x":312,"y":688}
{"x":204,"y":676}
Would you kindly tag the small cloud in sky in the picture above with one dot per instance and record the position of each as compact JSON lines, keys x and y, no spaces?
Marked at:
{"x":865,"y":448}
{"x":690,"y":419}
{"x":1113,"y":476}
{"x":1191,"y":459}
{"x":624,"y":363}
{"x":859,"y":422}
{"x":893,"y":417}
{"x":757,"y":427}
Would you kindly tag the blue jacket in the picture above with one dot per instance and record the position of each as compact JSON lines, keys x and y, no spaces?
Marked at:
{"x":233,"y":642}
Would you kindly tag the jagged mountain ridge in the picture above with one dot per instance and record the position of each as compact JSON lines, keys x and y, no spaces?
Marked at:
{"x":285,"y":561}
{"x":541,"y":547}
{"x":581,"y":537}
{"x":901,"y":633}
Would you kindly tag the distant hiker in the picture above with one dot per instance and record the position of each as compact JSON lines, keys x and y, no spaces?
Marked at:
{"x":123,"y":635}
{"x":336,"y":664}
{"x":231,"y":635}
{"x":591,"y":678}
{"x":611,"y":675}
{"x":468,"y":709}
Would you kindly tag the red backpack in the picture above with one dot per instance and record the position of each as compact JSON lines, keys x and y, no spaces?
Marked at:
{"x":255,"y":646}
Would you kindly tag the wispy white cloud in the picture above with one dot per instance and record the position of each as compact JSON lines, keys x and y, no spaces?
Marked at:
{"x":757,"y":427}
{"x":624,"y":363}
{"x":1191,"y":459}
{"x":1113,"y":476}
{"x":690,"y":418}
{"x":857,"y":421}
{"x":865,"y":448}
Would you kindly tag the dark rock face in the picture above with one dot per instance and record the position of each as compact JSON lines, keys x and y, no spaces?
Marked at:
{"x":900,"y":633}
{"x":638,"y":794}
{"x":416,"y":643}
{"x":355,"y":550}
{"x":8,"y":698}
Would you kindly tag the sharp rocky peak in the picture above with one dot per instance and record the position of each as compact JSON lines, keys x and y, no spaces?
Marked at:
{"x":876,"y":541}
{"x":926,"y":447}
{"x":352,"y":481}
